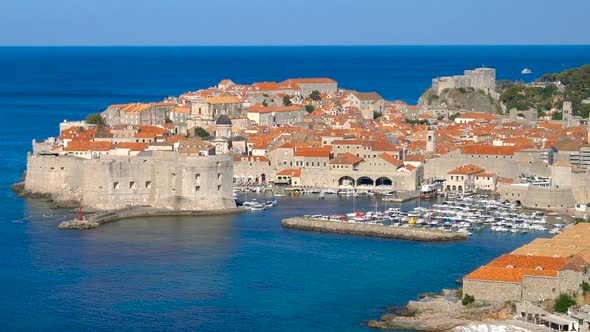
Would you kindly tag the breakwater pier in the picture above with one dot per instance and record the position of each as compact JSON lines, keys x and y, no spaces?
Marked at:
{"x":103,"y":217}
{"x":376,"y":230}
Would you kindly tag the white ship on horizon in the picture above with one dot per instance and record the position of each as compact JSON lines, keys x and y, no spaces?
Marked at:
{"x":526,"y":71}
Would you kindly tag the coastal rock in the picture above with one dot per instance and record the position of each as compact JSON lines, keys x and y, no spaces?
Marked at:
{"x":402,"y":233}
{"x":440,"y":313}
{"x":78,"y":224}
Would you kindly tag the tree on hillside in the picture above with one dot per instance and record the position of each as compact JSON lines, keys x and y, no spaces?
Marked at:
{"x":168,"y":120}
{"x":201,"y":132}
{"x":287,"y":101}
{"x":377,"y":114}
{"x":315,"y":95}
{"x":264,"y":103}
{"x":557,"y":116}
{"x":454,"y":116}
{"x":309,"y":108}
{"x":95,"y":119}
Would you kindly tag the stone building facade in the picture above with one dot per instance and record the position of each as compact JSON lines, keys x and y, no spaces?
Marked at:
{"x":523,"y":278}
{"x":276,"y":116}
{"x":166,"y":180}
{"x":146,"y":114}
{"x":308,"y":85}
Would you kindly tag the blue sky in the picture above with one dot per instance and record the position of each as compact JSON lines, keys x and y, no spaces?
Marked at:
{"x":290,"y":22}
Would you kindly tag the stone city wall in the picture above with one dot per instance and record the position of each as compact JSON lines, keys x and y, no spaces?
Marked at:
{"x":502,"y":166}
{"x":537,"y":197}
{"x":164,"y":180}
{"x":492,"y":291}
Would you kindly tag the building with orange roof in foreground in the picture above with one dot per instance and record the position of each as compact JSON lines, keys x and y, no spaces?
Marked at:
{"x":523,"y":278}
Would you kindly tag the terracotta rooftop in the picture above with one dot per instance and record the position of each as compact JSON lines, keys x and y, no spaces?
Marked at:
{"x":322,"y":152}
{"x":367,"y":96}
{"x":467,"y":170}
{"x":346,"y":159}
{"x":529,"y":262}
{"x":392,"y":160}
{"x":224,"y":100}
{"x":88,"y":146}
{"x":493,"y":273}
{"x":290,"y":172}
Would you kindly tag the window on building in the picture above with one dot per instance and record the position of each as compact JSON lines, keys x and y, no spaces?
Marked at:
{"x":132,"y":185}
{"x":148,"y":184}
{"x":116,"y":185}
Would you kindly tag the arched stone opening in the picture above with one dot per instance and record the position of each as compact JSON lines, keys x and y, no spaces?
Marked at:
{"x":346,"y":181}
{"x":383,"y":181}
{"x":365,"y":181}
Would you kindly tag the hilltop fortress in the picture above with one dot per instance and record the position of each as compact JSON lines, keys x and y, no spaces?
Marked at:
{"x":479,"y":78}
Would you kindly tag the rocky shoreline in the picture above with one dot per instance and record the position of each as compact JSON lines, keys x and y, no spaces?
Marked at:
{"x":20,"y":191}
{"x":440,"y":312}
{"x":402,"y":233}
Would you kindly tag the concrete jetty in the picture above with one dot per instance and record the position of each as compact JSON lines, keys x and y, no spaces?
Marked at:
{"x":100,"y":218}
{"x":402,"y":233}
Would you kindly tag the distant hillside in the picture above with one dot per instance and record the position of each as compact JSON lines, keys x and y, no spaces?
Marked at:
{"x":577,"y":87}
{"x":460,"y":98}
{"x":549,"y":92}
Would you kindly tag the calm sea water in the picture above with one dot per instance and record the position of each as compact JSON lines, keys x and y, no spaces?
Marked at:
{"x":241,"y":272}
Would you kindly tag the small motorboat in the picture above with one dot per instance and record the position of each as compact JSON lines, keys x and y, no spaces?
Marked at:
{"x":526,"y":71}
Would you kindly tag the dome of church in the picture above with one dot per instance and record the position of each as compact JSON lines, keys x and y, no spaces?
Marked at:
{"x":223,"y":120}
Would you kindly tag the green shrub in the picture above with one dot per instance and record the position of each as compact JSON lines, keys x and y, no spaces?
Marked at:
{"x":563,"y":302}
{"x":201,"y":132}
{"x":468,"y":299}
{"x":585,"y":287}
{"x":315,"y":95}
{"x":96,"y":119}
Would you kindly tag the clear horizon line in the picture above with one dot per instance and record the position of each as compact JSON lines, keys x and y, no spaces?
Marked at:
{"x":295,"y":45}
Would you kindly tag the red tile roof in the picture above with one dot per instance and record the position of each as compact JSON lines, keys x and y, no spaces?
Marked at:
{"x":133,"y":146}
{"x":291,"y":172}
{"x":467,"y":170}
{"x":392,"y":160}
{"x":323,"y":152}
{"x":88,"y":146}
{"x":346,"y":159}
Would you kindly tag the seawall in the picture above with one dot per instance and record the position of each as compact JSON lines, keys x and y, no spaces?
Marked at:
{"x":163,"y":180}
{"x":101,"y":218}
{"x":402,"y":233}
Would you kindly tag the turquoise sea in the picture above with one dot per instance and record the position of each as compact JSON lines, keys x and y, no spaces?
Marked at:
{"x":230,"y":273}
